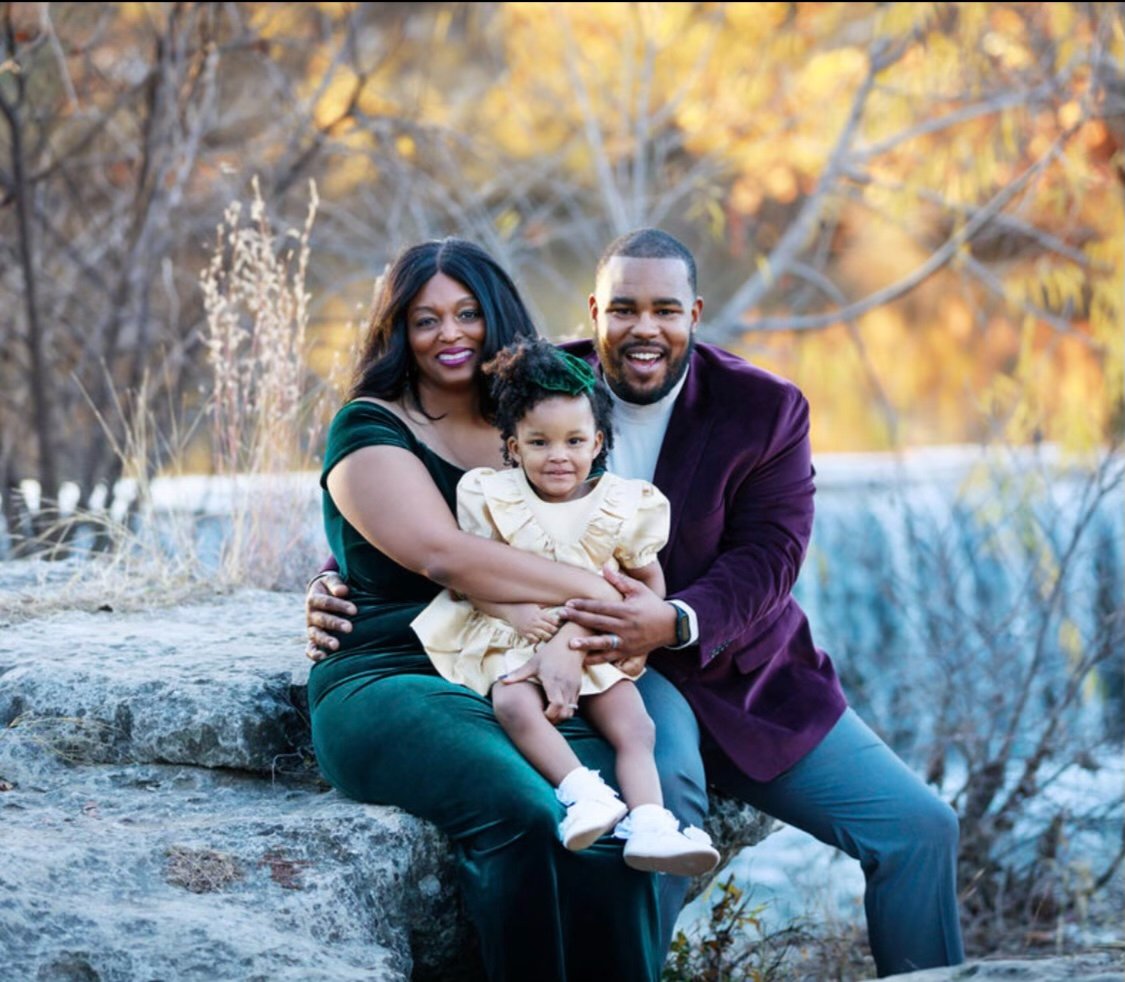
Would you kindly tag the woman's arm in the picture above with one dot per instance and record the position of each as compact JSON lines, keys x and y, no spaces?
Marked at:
{"x":387,"y":495}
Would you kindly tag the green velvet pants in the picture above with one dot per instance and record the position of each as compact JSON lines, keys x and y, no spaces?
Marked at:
{"x":542,"y":913}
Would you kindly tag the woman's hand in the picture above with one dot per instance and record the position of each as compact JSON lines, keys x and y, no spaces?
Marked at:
{"x":558,"y":669}
{"x":326,"y":610}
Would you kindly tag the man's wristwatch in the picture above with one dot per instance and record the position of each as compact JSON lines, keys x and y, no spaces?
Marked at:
{"x":683,"y":625}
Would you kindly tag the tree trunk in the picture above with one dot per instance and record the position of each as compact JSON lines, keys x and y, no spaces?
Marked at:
{"x":41,"y":401}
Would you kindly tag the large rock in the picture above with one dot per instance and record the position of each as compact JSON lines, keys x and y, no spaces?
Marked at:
{"x":216,"y":684}
{"x":1098,"y":966}
{"x":165,"y":820}
{"x":161,"y":872}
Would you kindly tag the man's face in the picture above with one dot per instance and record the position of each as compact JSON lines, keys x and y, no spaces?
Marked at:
{"x":644,"y":318}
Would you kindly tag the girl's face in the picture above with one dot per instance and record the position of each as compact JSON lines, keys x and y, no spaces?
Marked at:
{"x":446,"y":331}
{"x":556,"y":443}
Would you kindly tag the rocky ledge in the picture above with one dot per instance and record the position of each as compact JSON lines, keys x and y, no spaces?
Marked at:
{"x":162,"y":818}
{"x":1095,"y":966}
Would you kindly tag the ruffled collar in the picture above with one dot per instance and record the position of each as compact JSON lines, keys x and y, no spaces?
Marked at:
{"x":609,"y":504}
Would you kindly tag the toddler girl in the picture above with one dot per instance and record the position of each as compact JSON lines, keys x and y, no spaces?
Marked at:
{"x":557,"y":501}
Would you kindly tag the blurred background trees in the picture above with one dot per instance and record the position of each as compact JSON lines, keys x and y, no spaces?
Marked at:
{"x":914,"y":210}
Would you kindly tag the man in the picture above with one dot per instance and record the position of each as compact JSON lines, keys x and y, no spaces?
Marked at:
{"x":728,"y":444}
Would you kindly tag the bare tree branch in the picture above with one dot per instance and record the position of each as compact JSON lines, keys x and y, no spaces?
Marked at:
{"x":796,"y":235}
{"x":724,"y":329}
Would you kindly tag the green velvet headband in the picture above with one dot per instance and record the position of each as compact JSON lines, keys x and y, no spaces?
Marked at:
{"x":576,"y":378}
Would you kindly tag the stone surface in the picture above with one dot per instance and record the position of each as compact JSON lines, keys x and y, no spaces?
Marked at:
{"x":163,"y":818}
{"x":162,"y":872}
{"x":1097,"y":966}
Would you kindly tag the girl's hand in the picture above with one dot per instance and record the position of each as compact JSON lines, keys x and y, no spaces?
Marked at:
{"x":534,"y":623}
{"x":633,"y":666}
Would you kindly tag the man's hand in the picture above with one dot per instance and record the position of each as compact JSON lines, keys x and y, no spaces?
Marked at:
{"x":639,"y":623}
{"x":326,"y":610}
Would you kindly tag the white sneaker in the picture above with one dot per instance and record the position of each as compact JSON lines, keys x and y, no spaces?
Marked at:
{"x":593,"y":808}
{"x":655,"y":844}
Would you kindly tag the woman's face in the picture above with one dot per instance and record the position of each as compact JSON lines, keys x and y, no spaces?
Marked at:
{"x":446,"y":332}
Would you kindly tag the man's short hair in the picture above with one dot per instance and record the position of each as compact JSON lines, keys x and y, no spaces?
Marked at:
{"x":650,"y":243}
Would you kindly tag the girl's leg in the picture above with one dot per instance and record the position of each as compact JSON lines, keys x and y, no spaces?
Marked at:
{"x":593,"y":807}
{"x":541,"y":912}
{"x":519,"y":709}
{"x":655,"y":842}
{"x":619,"y":715}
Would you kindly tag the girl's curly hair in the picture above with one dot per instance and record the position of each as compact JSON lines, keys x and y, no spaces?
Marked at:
{"x":525,"y":373}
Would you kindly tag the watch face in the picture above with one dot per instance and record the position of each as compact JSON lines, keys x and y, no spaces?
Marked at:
{"x":682,"y":626}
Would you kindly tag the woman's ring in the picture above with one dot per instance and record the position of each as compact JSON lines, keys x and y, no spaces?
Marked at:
{"x":614,"y":642}
{"x":572,"y":705}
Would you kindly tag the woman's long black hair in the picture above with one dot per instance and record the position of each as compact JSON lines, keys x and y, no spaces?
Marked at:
{"x":386,"y":369}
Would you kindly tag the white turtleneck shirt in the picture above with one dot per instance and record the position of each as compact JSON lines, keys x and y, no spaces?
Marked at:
{"x":638,"y":433}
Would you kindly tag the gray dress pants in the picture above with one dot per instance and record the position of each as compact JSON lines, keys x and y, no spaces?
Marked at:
{"x":851,"y":791}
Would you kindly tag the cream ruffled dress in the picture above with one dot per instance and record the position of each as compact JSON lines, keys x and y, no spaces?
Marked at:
{"x":621,"y":521}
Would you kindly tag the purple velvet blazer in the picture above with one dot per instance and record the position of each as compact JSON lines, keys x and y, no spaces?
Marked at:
{"x":735,"y":465}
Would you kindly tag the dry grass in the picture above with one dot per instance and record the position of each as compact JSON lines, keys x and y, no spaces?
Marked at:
{"x":741,"y":940}
{"x":266,"y":415}
{"x":263,"y":417}
{"x":201,"y":870}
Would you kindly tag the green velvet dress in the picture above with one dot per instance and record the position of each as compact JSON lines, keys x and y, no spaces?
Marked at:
{"x":387,"y":729}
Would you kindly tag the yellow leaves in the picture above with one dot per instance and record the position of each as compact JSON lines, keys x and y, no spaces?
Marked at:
{"x":1116,"y":38}
{"x":1006,"y":50}
{"x":1062,"y":18}
{"x":1008,"y":133}
{"x":1107,"y":308}
{"x":334,"y":8}
{"x":753,"y":97}
{"x":1063,"y":286}
{"x":746,"y":195}
{"x":1080,"y":415}
{"x":757,"y":22}
{"x":781,"y":183}
{"x":900,"y":19}
{"x":507,"y":222}
{"x":828,"y":76}
{"x":277,"y":20}
{"x":958,"y":319}
{"x":336,"y":97}
{"x":1069,"y":114}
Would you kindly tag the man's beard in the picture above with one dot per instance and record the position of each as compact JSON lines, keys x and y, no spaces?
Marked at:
{"x":615,"y":374}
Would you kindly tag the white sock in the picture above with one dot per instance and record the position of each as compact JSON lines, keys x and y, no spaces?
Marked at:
{"x":650,"y":815}
{"x":579,"y":783}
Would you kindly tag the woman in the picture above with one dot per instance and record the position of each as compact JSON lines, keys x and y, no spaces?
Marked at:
{"x":418,"y":417}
